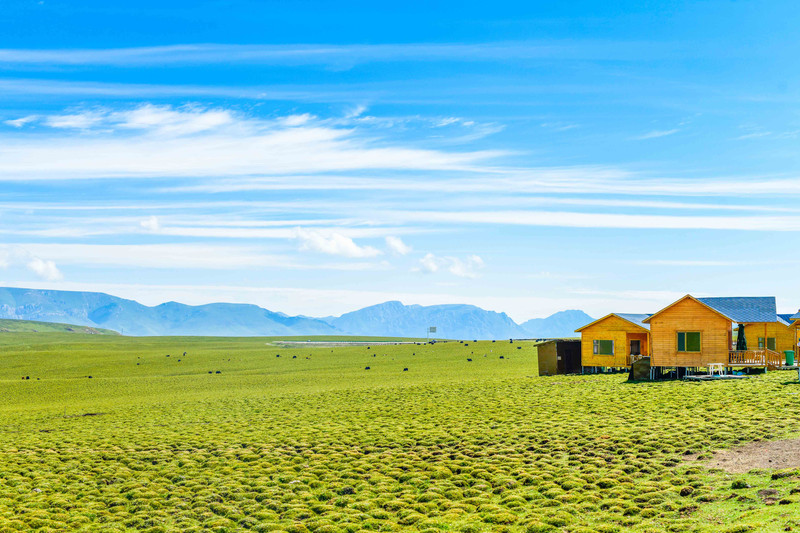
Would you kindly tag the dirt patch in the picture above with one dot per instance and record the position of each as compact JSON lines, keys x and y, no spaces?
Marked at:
{"x":776,"y":454}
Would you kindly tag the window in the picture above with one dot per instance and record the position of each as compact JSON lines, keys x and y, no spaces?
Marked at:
{"x":603,"y":347}
{"x":688,"y":341}
{"x":770,"y":343}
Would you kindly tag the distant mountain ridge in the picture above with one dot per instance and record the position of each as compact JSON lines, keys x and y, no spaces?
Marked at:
{"x":390,"y":319}
{"x":561,"y":324}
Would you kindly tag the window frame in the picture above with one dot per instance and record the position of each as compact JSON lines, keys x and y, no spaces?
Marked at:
{"x":685,"y":343}
{"x":596,"y":347}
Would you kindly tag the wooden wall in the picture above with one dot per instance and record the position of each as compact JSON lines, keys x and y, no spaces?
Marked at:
{"x":784,"y":335}
{"x":611,"y":329}
{"x":689,"y":315}
{"x":548,"y":359}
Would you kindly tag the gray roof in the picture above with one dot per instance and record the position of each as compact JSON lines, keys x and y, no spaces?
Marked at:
{"x":745,"y":308}
{"x":795,"y":316}
{"x":635,"y":318}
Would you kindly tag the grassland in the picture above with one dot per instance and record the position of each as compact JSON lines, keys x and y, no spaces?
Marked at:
{"x":307,"y":439}
{"x":8,"y":325}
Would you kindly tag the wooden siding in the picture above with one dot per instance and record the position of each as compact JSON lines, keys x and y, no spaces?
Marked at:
{"x":689,"y":315}
{"x":784,"y":335}
{"x":614,"y":329}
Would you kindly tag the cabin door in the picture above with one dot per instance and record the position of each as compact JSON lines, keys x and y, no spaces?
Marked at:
{"x":636,"y":347}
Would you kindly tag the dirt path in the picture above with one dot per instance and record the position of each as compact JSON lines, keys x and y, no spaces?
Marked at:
{"x":777,"y":454}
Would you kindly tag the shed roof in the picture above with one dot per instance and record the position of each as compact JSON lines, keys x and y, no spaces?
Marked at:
{"x":785,"y":319}
{"x":795,"y":316}
{"x":745,"y":308}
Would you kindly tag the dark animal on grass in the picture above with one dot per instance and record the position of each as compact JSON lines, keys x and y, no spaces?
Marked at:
{"x":405,"y":370}
{"x":470,"y":360}
{"x":366,"y":368}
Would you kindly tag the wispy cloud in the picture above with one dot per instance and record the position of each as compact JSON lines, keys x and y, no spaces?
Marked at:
{"x":397,"y":246}
{"x":464,"y":268}
{"x":656,"y":134}
{"x":339,"y":56}
{"x":158,"y":141}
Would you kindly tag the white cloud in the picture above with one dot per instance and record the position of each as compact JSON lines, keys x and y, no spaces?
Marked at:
{"x":463,"y":268}
{"x":333,"y":244}
{"x":430,"y":263}
{"x":19,"y":122}
{"x":47,"y":270}
{"x":79,"y":121}
{"x":298,"y":120}
{"x":151,"y":224}
{"x":397,"y":246}
{"x":16,"y":255}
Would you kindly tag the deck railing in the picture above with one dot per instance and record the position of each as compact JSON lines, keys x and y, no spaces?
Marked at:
{"x":757,"y":357}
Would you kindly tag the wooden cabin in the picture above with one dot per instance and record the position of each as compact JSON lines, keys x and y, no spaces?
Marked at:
{"x":615,"y":340}
{"x":559,"y":356}
{"x":696,"y":332}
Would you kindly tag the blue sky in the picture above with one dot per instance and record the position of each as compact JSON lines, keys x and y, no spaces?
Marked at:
{"x":317,"y":157}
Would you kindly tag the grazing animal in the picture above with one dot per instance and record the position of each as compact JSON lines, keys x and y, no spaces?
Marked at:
{"x":501,"y":357}
{"x":184,"y":353}
{"x":277,"y":355}
{"x":366,"y":368}
{"x":405,"y":370}
{"x":469,"y":359}
{"x":219,"y":372}
{"x":293,"y":357}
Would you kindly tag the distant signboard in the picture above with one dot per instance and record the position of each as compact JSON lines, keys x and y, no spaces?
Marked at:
{"x":432,"y":329}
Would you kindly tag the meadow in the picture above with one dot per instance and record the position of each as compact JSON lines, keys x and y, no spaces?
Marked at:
{"x":109,"y":433}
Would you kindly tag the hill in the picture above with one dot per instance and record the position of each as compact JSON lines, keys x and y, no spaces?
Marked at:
{"x":561,"y":324}
{"x":97,"y":309}
{"x":393,"y":319}
{"x":8,"y":325}
{"x":389,"y":319}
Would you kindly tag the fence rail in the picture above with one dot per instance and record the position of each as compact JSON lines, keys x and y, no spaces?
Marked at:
{"x":758,"y":357}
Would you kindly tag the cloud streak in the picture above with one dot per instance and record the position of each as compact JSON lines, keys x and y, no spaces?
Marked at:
{"x":159,"y":141}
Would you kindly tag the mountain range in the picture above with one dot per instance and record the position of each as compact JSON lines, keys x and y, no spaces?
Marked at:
{"x":389,"y":319}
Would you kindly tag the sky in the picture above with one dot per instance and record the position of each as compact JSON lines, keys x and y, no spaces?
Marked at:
{"x":318,"y":157}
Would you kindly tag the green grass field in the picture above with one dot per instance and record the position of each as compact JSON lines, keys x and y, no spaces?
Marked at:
{"x":31,"y":326}
{"x":312,"y":441}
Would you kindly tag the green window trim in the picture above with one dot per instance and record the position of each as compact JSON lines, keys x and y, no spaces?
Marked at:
{"x":603,"y":347}
{"x":689,"y":341}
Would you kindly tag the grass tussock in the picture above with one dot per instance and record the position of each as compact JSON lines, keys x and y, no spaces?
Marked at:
{"x":313,"y":443}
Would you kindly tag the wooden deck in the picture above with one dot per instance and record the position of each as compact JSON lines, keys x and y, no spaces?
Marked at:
{"x":760,"y":357}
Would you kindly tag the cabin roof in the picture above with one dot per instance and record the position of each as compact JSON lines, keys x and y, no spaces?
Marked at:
{"x":635,"y":319}
{"x":745,"y":308}
{"x":785,"y":319}
{"x":795,"y":316}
